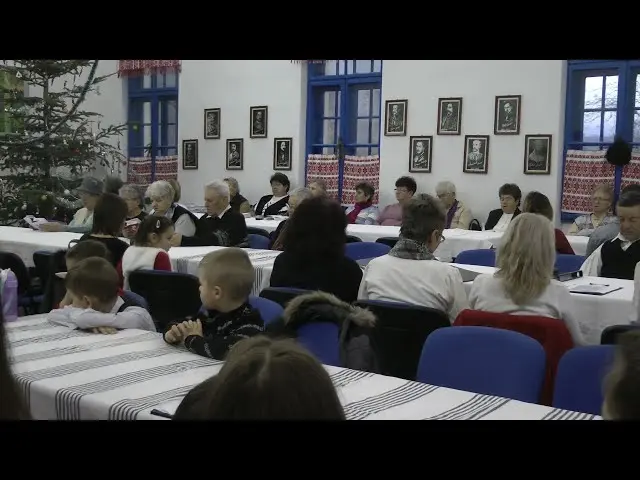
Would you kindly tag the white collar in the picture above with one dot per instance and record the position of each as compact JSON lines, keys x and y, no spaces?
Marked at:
{"x":623,"y":239}
{"x":221,"y":214}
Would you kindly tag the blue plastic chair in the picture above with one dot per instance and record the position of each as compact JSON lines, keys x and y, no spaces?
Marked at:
{"x":482,"y":257}
{"x":258,"y":242}
{"x":132,"y":297}
{"x":568,"y":263}
{"x":270,"y":311}
{"x":282,"y":295}
{"x":579,"y":378}
{"x":484,"y":360}
{"x":362,"y":250}
{"x":322,"y":339}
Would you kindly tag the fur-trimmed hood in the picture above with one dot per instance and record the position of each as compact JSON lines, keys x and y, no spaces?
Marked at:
{"x":322,"y":306}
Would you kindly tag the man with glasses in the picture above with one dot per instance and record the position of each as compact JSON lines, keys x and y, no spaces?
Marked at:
{"x":392,"y":214}
{"x":617,"y":258}
{"x":458,"y":215}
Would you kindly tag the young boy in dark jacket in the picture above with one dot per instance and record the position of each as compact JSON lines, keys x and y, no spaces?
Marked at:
{"x":226,"y":279}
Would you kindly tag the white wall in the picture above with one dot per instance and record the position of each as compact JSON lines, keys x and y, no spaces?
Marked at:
{"x":234,"y":86}
{"x":542,"y":86}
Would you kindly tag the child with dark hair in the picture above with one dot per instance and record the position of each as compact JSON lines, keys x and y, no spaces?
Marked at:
{"x":150,"y":247}
{"x":92,"y":285}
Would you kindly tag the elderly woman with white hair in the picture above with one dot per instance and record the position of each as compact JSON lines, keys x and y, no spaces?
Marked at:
{"x":238,"y":202}
{"x":523,"y":283}
{"x":135,"y":213}
{"x":295,"y":197}
{"x":220,"y":226}
{"x":162,"y":196}
{"x":458,"y":215}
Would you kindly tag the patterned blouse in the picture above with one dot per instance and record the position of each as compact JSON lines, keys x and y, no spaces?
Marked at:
{"x":585,"y":224}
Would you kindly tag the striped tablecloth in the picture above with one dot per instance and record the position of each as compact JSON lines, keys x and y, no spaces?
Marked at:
{"x":262,"y":260}
{"x":72,"y":375}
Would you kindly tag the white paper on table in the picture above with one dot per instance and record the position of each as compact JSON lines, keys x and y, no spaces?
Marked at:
{"x":34,"y":222}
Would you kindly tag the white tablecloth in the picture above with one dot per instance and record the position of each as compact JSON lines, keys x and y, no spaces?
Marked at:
{"x":577,"y":242}
{"x":187,"y":259}
{"x":594,"y":313}
{"x":73,"y":375}
{"x":24,"y":242}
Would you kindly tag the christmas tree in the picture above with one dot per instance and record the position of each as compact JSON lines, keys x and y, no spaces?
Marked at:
{"x":47,"y":143}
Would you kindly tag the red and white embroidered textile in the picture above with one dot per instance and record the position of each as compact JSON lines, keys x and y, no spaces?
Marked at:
{"x":143,"y":67}
{"x":583,"y":172}
{"x":139,"y":171}
{"x":324,"y":167}
{"x":631,"y":171}
{"x":357,"y":170}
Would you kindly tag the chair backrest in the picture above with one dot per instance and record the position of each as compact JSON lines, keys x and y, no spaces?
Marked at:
{"x":47,"y":264}
{"x":282,"y":295}
{"x":353,"y":238}
{"x":484,"y":360}
{"x":257,"y":231}
{"x":322,"y":339}
{"x":269,"y":310}
{"x":170,"y":295}
{"x":362,"y":250}
{"x":579,"y":382}
{"x":132,"y":297}
{"x":259,"y":242}
{"x":610,"y":334}
{"x":19,"y":269}
{"x":475,"y":225}
{"x":399,"y":334}
{"x":391,"y":241}
{"x":553,"y":335}
{"x":568,"y":263}
{"x":484,"y":257}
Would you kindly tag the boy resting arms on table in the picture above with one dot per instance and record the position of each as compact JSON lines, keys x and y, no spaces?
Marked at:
{"x":226,"y":279}
{"x":93,"y":286}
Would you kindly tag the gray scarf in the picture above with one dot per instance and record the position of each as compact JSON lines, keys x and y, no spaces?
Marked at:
{"x":411,"y":250}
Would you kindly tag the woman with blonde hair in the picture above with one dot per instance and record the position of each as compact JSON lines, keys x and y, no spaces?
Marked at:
{"x":523,"y":283}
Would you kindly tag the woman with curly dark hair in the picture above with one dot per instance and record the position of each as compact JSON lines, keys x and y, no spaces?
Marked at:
{"x":313,"y":256}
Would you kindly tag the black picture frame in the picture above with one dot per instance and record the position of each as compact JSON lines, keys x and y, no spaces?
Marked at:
{"x":505,"y":123}
{"x":278,"y":163}
{"x":258,"y":127}
{"x":427,"y":150}
{"x":212,"y":123}
{"x":190,"y":154}
{"x":395,"y":130}
{"x":235,"y":162}
{"x":533,"y":164}
{"x":456,"y":103}
{"x":475,"y":164}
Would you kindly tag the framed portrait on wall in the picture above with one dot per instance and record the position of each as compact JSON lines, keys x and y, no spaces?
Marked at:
{"x":282,"y":153}
{"x":212,"y":124}
{"x":395,"y":118}
{"x":537,"y":154}
{"x":476,"y":154}
{"x":420,"y":149}
{"x":190,"y":154}
{"x":235,"y":154}
{"x":507,"y":115}
{"x":259,"y":117}
{"x":449,"y":116}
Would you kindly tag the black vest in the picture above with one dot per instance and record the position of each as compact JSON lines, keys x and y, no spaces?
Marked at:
{"x":618,"y":263}
{"x":179,"y":210}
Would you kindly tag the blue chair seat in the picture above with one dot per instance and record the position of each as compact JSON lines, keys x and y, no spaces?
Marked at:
{"x":258,"y":242}
{"x":322,"y":339}
{"x":362,"y":250}
{"x":482,"y":257}
{"x":270,"y":311}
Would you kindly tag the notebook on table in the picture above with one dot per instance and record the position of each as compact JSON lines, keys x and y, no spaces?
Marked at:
{"x":467,"y":275}
{"x":594,"y":289}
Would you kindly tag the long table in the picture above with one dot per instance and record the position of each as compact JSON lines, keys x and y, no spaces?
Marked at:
{"x":456,"y":240}
{"x":73,"y":375}
{"x":594,"y":313}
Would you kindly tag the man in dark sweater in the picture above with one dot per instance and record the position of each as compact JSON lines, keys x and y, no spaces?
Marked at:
{"x":220,"y":226}
{"x":617,"y":258}
{"x":226,"y":279}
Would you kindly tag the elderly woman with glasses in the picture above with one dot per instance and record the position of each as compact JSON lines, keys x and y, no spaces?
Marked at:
{"x":392,"y":214}
{"x":410,"y":273}
{"x":458,"y":215}
{"x":162,"y":196}
{"x":135,"y":213}
{"x":601,"y":214}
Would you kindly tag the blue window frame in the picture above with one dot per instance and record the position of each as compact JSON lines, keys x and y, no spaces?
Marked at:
{"x":153,"y":116}
{"x":603,"y":102}
{"x":344,"y":109}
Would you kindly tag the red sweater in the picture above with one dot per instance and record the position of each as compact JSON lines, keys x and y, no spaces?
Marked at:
{"x":562,"y":244}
